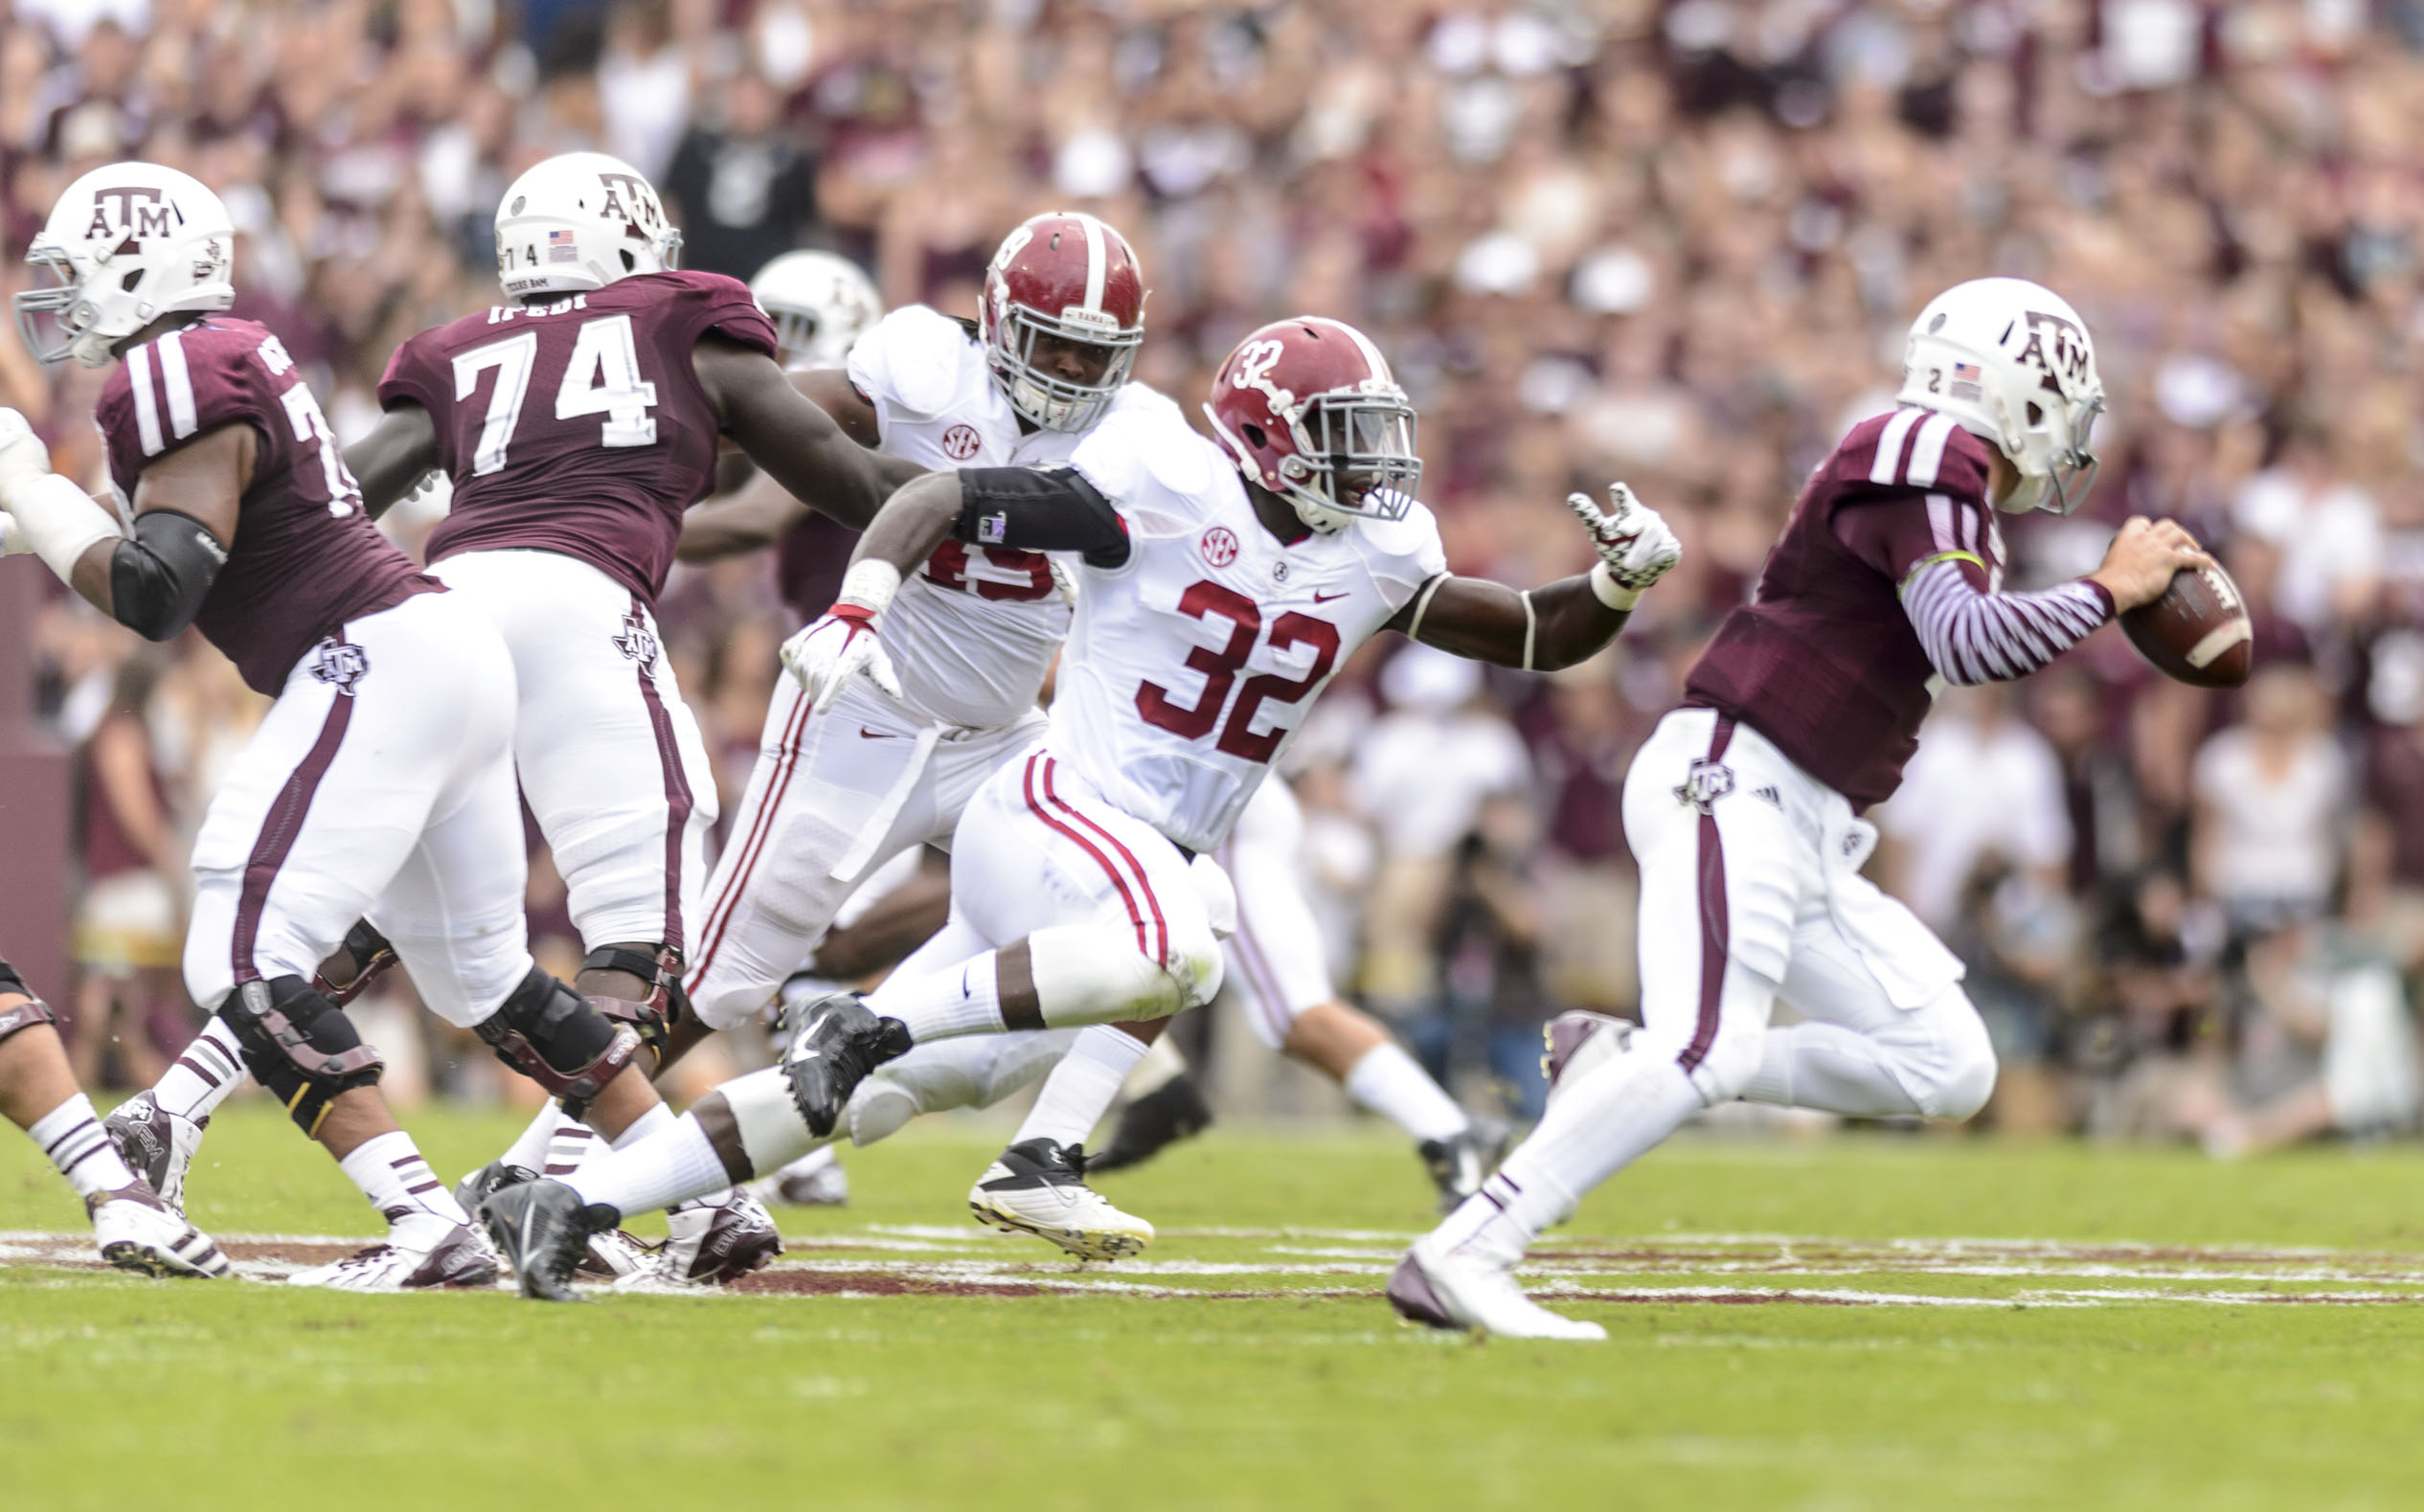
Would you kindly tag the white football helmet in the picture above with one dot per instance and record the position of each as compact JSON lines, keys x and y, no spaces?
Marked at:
{"x":820,"y":304}
{"x":579,"y":221}
{"x":2012,"y":362}
{"x":124,"y":245}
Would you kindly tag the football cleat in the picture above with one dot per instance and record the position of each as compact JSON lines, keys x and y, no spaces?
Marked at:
{"x":613,"y":1254}
{"x":1039,"y":1188}
{"x":1576,"y":1043}
{"x":156,"y":1144}
{"x":1169,"y":1113}
{"x":543,"y":1229}
{"x":1459,"y":1164}
{"x":432,"y":1255}
{"x":815,"y":1180}
{"x":137,"y":1232}
{"x":709,"y":1243}
{"x":837,"y":1043}
{"x":1442,"y":1290}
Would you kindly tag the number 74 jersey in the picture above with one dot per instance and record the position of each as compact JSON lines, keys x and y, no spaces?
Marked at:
{"x":578,"y":426}
{"x":1191,"y":666}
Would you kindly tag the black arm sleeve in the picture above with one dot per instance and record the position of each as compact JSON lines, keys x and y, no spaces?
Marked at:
{"x":1040,"y":509}
{"x":158,"y":581}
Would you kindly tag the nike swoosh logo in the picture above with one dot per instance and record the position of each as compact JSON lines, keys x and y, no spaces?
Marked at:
{"x":1322,"y":598}
{"x":528,"y":1214}
{"x":865,"y":733}
{"x":807,"y":1054}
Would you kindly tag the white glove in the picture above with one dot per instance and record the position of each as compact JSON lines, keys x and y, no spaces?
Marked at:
{"x":1635,"y":546}
{"x":827,"y":653}
{"x":24,"y":460}
{"x":12,"y":541}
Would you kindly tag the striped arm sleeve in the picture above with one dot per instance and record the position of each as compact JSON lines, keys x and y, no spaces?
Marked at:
{"x":1973,"y":636}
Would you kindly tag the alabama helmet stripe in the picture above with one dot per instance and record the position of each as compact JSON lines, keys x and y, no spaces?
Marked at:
{"x":178,"y":384}
{"x":1097,"y":262}
{"x":1379,"y":364}
{"x":146,"y":404}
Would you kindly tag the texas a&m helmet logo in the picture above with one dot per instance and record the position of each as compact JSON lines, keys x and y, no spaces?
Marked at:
{"x":340,"y":665}
{"x":1219,"y":546}
{"x":961,"y":443}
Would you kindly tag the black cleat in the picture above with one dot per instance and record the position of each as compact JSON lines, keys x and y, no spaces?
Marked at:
{"x":1169,"y":1113}
{"x":1460,"y":1163}
{"x":543,"y":1227}
{"x":838,"y":1043}
{"x":489,"y":1181}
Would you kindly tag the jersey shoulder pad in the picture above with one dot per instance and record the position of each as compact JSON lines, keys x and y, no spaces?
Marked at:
{"x":412,"y":368}
{"x":188,"y":382}
{"x":1406,"y":550}
{"x":916,"y":359}
{"x":690,"y":303}
{"x":1911,"y":449}
{"x":1149,"y":458}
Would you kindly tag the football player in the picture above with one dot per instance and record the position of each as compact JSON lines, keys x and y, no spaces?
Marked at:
{"x":134,"y":1229}
{"x":1224,"y":582}
{"x":1743,"y":807}
{"x":380,"y":782}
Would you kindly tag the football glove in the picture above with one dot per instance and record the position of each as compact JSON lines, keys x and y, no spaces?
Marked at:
{"x":23,"y":457}
{"x":827,"y":653}
{"x":1635,"y":546}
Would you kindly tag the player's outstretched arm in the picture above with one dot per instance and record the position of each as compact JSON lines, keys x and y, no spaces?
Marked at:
{"x":1545,"y":629}
{"x":154,"y":581}
{"x":757,"y":512}
{"x":798,"y":444}
{"x":391,"y":462}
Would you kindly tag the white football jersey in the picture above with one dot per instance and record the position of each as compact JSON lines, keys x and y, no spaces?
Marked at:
{"x":1191,"y":666}
{"x":971,"y":633}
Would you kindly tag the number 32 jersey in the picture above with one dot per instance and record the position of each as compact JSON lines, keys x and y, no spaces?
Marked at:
{"x":1191,"y":664}
{"x":578,"y":426}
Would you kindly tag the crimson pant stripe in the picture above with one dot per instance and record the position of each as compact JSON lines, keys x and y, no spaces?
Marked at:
{"x":277,"y":831}
{"x":1712,"y":916}
{"x":726,"y":903}
{"x":677,"y":796}
{"x":1143,"y":883}
{"x":1135,"y":915}
{"x":1259,"y":977}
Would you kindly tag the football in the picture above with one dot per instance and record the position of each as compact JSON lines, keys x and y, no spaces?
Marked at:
{"x":2198,"y":632}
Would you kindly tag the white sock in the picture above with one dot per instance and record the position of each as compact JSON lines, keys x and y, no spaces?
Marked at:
{"x":1081,"y":1089}
{"x":1392,"y":1083}
{"x":644,"y":1175}
{"x":1830,"y":1068}
{"x":1594,"y":1128}
{"x":400,"y":1183}
{"x":964,"y":999}
{"x":211,"y":1068}
{"x":658,"y":1118}
{"x":71,"y":1135}
{"x":531,"y":1147}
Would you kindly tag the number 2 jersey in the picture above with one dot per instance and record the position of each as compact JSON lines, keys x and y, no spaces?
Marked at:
{"x":972,"y":632}
{"x":577,"y":425}
{"x":1200,"y":638}
{"x":306,"y":558}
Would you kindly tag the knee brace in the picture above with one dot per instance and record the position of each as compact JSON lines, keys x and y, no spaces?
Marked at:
{"x":566,"y":1043}
{"x":300,"y":1045}
{"x":666,"y":1005}
{"x":371,"y":954}
{"x":26,"y":1014}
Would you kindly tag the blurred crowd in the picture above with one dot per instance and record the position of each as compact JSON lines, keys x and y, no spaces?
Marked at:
{"x":1677,"y":243}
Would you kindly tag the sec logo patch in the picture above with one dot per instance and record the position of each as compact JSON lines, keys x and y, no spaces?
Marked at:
{"x":959,"y":443}
{"x":1219,"y":546}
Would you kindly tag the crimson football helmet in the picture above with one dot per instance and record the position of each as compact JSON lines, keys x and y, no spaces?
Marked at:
{"x":1068,"y":277}
{"x":1309,"y":410}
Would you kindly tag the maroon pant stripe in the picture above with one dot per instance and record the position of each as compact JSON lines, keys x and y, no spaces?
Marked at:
{"x":725,"y":905}
{"x":677,"y":798}
{"x":277,"y":831}
{"x":1712,"y":917}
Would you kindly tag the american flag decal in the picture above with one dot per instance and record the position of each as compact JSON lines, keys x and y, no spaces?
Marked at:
{"x":1965,"y":370}
{"x":560,"y":248}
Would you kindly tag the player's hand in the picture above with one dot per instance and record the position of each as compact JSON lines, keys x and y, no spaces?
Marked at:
{"x":825,"y":655}
{"x":2142,"y":560}
{"x":1635,"y":546}
{"x":23,"y":457}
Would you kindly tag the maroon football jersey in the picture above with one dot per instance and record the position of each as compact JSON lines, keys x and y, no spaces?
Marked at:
{"x":578,"y":426}
{"x":1824,"y":662}
{"x":305,"y":558}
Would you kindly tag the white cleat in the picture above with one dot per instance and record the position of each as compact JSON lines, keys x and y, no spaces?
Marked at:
{"x":707,"y":1244}
{"x":135,"y":1230}
{"x":1039,"y":1188}
{"x":156,"y":1144}
{"x":424,"y":1255}
{"x":1444,"y":1290}
{"x":1578,"y":1042}
{"x":816,"y":1178}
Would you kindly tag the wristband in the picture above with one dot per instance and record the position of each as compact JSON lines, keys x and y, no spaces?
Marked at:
{"x":1611,"y":593}
{"x":60,"y":521}
{"x":870,"y":584}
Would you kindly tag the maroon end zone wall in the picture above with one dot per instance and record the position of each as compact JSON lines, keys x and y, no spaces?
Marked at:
{"x":33,"y":800}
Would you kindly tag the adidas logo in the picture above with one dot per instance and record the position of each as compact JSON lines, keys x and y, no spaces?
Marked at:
{"x":1768,"y":796}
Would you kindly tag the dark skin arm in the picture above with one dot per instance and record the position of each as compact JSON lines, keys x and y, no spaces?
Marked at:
{"x":205,"y":479}
{"x":913,"y":522}
{"x":800,"y":447}
{"x":1473,"y":616}
{"x":760,"y":512}
{"x":391,"y":462}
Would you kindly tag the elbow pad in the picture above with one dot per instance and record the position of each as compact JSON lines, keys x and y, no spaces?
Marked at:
{"x":158,"y":581}
{"x":1040,"y":509}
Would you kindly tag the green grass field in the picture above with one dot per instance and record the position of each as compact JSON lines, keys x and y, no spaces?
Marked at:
{"x":1855,"y":1323}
